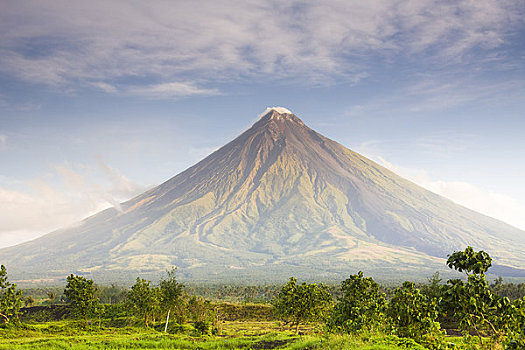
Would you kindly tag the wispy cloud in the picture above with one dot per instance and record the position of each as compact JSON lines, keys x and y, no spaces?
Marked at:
{"x":445,"y":92}
{"x":171,"y":90}
{"x":488,"y":202}
{"x":173,"y":45}
{"x":46,"y":206}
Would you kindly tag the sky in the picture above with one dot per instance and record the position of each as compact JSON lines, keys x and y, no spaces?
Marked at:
{"x":101,"y":100}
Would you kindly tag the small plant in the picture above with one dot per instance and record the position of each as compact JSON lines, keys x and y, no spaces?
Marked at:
{"x":202,"y":327}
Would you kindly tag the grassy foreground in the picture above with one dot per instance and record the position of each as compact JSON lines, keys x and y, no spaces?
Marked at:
{"x":234,"y":335}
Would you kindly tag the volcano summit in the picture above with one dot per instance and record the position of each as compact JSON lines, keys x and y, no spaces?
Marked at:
{"x":279,"y":200}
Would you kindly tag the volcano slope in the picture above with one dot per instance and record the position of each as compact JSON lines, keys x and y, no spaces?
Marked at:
{"x":278,"y":200}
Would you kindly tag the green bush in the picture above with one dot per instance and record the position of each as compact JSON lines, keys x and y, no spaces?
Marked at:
{"x":361,"y":306}
{"x":411,"y":313}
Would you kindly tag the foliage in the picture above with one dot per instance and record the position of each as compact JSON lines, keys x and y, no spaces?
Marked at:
{"x":302,"y":303}
{"x":516,"y":325}
{"x":40,"y":294}
{"x":476,"y":307}
{"x":432,"y":289}
{"x":170,"y":289}
{"x":509,"y":290}
{"x":237,"y":293}
{"x":471,"y":303}
{"x":29,"y":301}
{"x":143,"y":300}
{"x":81,"y":293}
{"x":51,"y":297}
{"x":469,"y":261}
{"x":411,"y":313}
{"x":112,"y":294}
{"x":361,"y":306}
{"x":170,"y":294}
{"x":202,"y":313}
{"x":10,"y":298}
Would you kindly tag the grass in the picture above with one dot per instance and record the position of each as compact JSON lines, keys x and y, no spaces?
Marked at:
{"x":67,"y":334}
{"x":246,"y":327}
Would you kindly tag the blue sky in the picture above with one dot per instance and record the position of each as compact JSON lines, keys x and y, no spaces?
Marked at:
{"x":101,"y":100}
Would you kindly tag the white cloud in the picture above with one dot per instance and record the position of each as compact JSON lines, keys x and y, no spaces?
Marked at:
{"x":104,"y":87}
{"x":171,"y":90}
{"x":47,"y":206}
{"x":102,"y":43}
{"x":490,"y":203}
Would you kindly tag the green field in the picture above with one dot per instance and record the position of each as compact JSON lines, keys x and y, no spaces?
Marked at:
{"x":233,"y":335}
{"x":240,"y":326}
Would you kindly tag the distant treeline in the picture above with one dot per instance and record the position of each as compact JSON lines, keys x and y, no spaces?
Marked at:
{"x":235,"y":293}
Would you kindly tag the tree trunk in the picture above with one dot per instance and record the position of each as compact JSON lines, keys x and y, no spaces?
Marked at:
{"x":167,"y":319}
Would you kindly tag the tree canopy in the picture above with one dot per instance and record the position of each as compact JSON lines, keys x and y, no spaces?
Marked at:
{"x":82,"y":296}
{"x":10,"y":298}
{"x":301,"y":303}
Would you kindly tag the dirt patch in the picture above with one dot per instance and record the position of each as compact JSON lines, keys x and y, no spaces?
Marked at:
{"x":272,"y":344}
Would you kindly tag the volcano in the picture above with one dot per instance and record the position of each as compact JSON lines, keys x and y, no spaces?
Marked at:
{"x":279,"y":200}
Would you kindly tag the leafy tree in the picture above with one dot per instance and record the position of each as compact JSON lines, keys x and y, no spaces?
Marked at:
{"x":470,"y":262}
{"x":201,"y":312}
{"x":361,"y":306}
{"x":516,"y":325}
{"x":143,"y":300}
{"x":82,"y":295}
{"x":411,"y":313}
{"x":302,"y":303}
{"x":469,"y":302}
{"x":170,"y":293}
{"x":475,"y":306}
{"x":10,"y":298}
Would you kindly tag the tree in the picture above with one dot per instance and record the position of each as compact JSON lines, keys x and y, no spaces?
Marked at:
{"x":474,"y":305}
{"x":170,"y":293}
{"x":361,"y":306}
{"x":411,"y":313}
{"x":143,"y":300}
{"x":112,"y":294}
{"x":432,"y":289}
{"x":51,"y":296}
{"x":81,"y":293}
{"x":302,"y":303}
{"x":10,"y":298}
{"x":469,"y":302}
{"x":201,"y":312}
